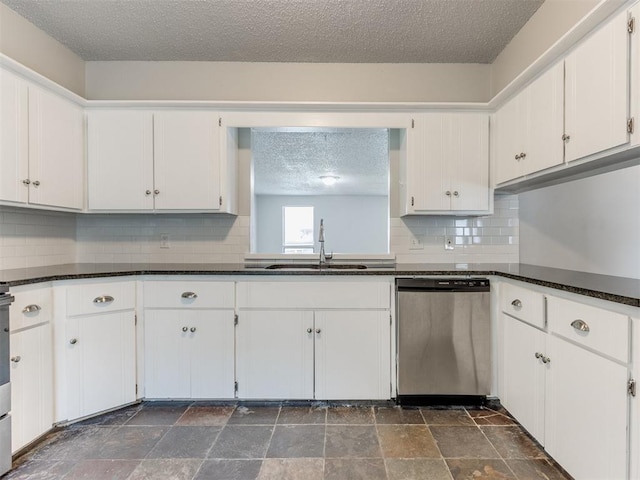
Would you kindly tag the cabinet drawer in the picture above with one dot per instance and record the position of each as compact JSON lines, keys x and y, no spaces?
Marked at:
{"x":188,"y":294}
{"x":523,"y":304}
{"x":32,"y":305}
{"x":100,"y":297}
{"x":601,"y":330}
{"x":314,"y":295}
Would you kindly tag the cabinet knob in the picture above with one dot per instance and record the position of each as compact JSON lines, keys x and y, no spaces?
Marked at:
{"x":456,"y":194}
{"x":185,"y":329}
{"x":193,"y":329}
{"x":447,"y":193}
{"x":565,"y":137}
{"x":73,"y":341}
{"x":522,"y":155}
{"x":147,"y":192}
{"x":517,"y":303}
{"x":156,"y":192}
{"x":538,"y":355}
{"x":517,"y":157}
{"x":412,"y":201}
{"x":26,"y":181}
{"x":545,"y":360}
{"x":36,"y":183}
{"x":580,"y":325}
{"x":189,"y":295}
{"x":309,"y":330}
{"x":31,"y":308}
{"x":103,"y":299}
{"x":16,"y":359}
{"x":318,"y":330}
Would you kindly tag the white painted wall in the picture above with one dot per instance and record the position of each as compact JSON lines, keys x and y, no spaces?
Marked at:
{"x":25,"y":43}
{"x":353,"y":224}
{"x":590,"y":225}
{"x":227,"y":81}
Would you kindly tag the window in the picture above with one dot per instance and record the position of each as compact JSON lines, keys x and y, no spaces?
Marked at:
{"x":297,"y":229}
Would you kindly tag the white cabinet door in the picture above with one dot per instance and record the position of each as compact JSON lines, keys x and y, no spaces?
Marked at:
{"x":187,"y":160}
{"x":120,"y":141}
{"x":507,"y":122}
{"x":189,"y":353}
{"x":597,"y":91}
{"x":586,"y":412}
{"x":448,"y":164}
{"x":101,"y":362}
{"x":274,"y":358}
{"x":353,"y":359}
{"x":56,"y":150}
{"x":544,"y":126}
{"x":31,"y":385}
{"x":523,"y":389}
{"x":14,"y":138}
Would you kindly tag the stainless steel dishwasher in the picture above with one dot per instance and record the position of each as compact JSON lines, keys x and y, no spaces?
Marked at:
{"x":444,"y":340}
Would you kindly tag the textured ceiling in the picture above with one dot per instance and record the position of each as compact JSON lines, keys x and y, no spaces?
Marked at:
{"x":335,"y":31}
{"x":290,"y":161}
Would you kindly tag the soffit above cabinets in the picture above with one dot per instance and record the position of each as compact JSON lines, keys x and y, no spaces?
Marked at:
{"x":347,"y":31}
{"x":290,"y":161}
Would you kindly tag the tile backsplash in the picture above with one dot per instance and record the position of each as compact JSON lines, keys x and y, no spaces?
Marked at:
{"x":35,"y":238}
{"x":38,"y":238}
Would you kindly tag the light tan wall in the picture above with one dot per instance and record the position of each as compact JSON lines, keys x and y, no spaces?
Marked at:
{"x":552,"y":20}
{"x":227,"y":81}
{"x":30,"y":46}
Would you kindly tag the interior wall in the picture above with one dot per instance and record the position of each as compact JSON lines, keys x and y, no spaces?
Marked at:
{"x":30,"y":46}
{"x":553,"y":19}
{"x":353,"y":224}
{"x":322,"y":82}
{"x":590,"y":225}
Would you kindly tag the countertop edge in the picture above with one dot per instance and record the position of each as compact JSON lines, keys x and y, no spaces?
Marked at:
{"x":621,"y":299}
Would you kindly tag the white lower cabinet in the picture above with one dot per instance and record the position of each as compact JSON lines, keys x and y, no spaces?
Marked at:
{"x":189,"y":339}
{"x":189,"y":354}
{"x":568,"y":384}
{"x":31,"y":384}
{"x":301,"y":340}
{"x":97,"y":348}
{"x":523,"y":390}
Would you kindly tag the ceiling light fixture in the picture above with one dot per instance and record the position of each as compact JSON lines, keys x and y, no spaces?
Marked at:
{"x":329,"y":180}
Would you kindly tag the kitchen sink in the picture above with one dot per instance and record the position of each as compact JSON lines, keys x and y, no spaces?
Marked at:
{"x":315,"y":266}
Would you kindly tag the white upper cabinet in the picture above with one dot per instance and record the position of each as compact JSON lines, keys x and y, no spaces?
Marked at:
{"x":41,"y":147}
{"x":14,"y":138}
{"x":447,"y":164}
{"x":597,"y":101}
{"x":180,"y":160}
{"x":120,"y":141}
{"x":529,"y":128}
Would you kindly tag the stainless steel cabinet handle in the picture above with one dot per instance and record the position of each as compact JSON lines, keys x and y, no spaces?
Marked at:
{"x":566,"y":137}
{"x":189,"y":295}
{"x":545,"y":360}
{"x":538,"y":355}
{"x":103,"y":299}
{"x":517,"y":303}
{"x":523,"y":155}
{"x":147,"y":192}
{"x":36,"y":183}
{"x":517,"y":157}
{"x":73,"y":341}
{"x":580,"y":325}
{"x":193,"y":329}
{"x":185,"y":329}
{"x":31,"y":308}
{"x":16,"y":359}
{"x":318,"y":330}
{"x":455,"y":194}
{"x":156,"y":192}
{"x":447,"y":193}
{"x":26,"y":181}
{"x":309,"y":330}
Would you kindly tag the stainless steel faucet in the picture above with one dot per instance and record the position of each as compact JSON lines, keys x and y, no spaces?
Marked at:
{"x":323,"y":257}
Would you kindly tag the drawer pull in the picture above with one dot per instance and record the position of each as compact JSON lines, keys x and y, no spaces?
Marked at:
{"x":545,"y":359}
{"x":73,"y":341}
{"x":192,"y":329}
{"x":103,"y":299}
{"x":309,"y":330}
{"x":31,"y":308}
{"x":185,"y":329}
{"x":16,"y":359}
{"x":189,"y":295}
{"x":538,"y":355}
{"x":517,"y":303}
{"x":580,"y":325}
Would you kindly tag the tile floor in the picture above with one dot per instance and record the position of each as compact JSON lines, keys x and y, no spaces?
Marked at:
{"x":189,"y":441}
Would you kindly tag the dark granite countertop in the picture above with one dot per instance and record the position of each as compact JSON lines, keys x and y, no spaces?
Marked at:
{"x":615,"y":289}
